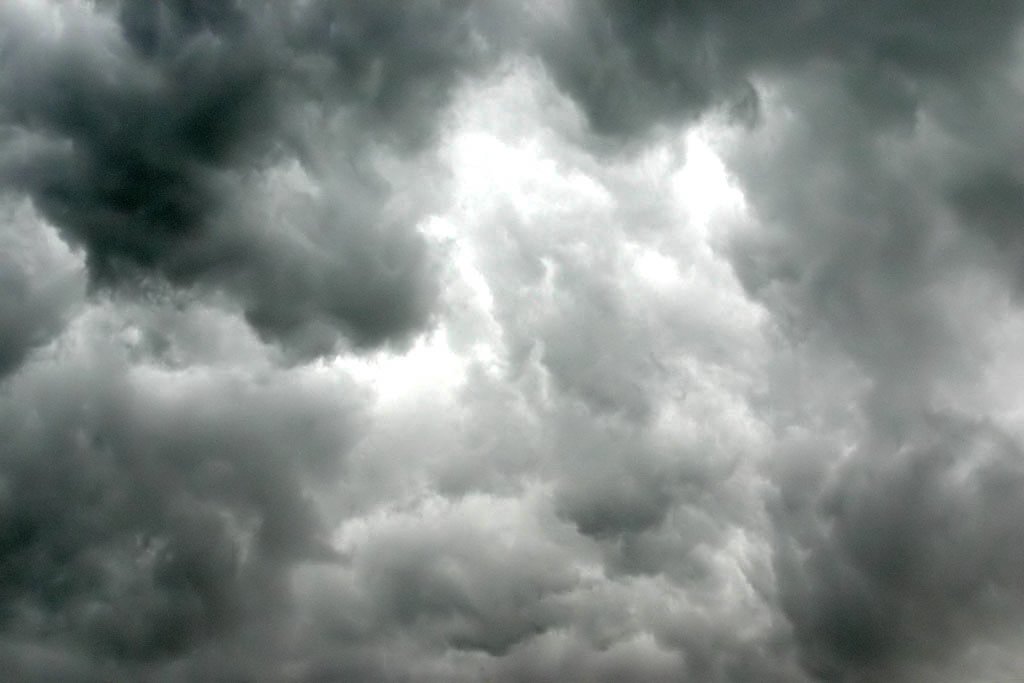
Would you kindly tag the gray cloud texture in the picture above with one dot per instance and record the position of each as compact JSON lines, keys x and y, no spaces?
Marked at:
{"x":459,"y":341}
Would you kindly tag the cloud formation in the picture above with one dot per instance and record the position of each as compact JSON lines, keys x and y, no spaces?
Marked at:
{"x":459,"y":341}
{"x":154,"y":135}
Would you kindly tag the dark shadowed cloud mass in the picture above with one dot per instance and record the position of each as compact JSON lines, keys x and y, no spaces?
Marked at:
{"x":511,"y":341}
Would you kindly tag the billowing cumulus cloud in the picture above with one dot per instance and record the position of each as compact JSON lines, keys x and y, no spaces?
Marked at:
{"x":465,"y":341}
{"x":42,"y":282}
{"x":149,"y":509}
{"x":143,"y":131}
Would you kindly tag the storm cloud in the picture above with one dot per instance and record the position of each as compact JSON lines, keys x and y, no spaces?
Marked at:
{"x":154,"y":136}
{"x":459,"y":341}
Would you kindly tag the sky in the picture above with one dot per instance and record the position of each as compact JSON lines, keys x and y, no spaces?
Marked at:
{"x":494,"y":340}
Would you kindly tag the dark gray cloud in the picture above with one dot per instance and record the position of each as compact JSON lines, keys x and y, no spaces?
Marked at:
{"x":150,"y":512}
{"x":423,"y":341}
{"x":634,"y":66}
{"x":137,"y":131}
{"x":875,"y":203}
{"x":907,"y":554}
{"x":864,"y":249}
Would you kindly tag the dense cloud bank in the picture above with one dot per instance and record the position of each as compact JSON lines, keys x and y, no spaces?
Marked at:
{"x":458,"y":341}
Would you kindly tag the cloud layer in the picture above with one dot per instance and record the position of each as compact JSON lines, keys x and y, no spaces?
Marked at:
{"x":458,"y":341}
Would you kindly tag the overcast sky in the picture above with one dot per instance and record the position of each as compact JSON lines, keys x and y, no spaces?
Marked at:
{"x":551,"y":340}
